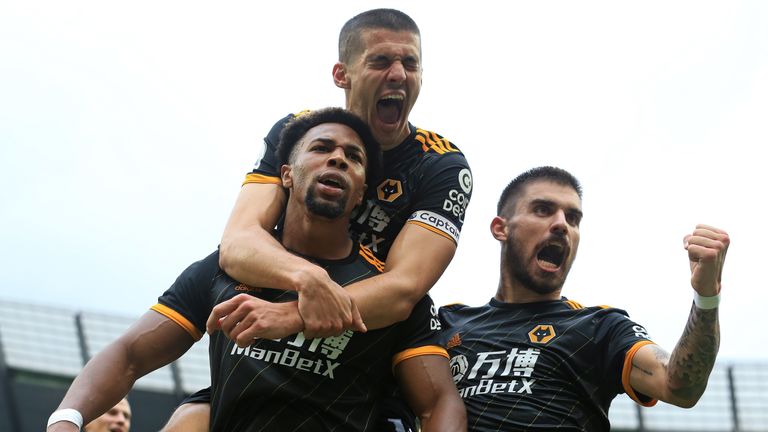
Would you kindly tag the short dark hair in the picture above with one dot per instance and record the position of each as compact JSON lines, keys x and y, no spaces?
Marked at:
{"x":553,"y":174}
{"x":350,"y":42}
{"x":297,"y":127}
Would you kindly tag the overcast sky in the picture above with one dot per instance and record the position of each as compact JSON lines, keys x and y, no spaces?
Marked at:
{"x":126,"y":129}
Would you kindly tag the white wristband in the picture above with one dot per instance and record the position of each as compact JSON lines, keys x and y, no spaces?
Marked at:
{"x":66,"y":414}
{"x":702,"y":302}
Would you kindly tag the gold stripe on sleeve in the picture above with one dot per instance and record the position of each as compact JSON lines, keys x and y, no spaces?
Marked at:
{"x":420,"y":351}
{"x":261,"y":179}
{"x":178,"y":319}
{"x":627,"y":371}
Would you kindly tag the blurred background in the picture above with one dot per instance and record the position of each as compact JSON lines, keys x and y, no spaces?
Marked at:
{"x":126,"y":130}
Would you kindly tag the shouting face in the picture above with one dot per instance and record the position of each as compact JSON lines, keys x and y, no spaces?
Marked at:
{"x":327,"y":170}
{"x":383,"y":81}
{"x":541,"y":236}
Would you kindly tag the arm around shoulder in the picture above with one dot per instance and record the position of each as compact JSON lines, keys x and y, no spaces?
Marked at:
{"x":416,"y":261}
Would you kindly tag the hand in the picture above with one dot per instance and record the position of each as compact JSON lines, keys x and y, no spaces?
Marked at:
{"x":244,"y":318}
{"x":326,"y":308}
{"x":706,"y":251}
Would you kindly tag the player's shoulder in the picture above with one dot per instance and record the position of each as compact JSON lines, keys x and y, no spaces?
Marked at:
{"x":366,"y":256}
{"x":452,"y":307}
{"x":280,"y":124}
{"x":434,"y":144}
{"x":599,"y":310}
{"x":456,"y":311}
{"x":209,"y":264}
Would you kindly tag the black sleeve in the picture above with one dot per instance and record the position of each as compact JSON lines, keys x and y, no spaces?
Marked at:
{"x":200,"y":396}
{"x":443,"y":196}
{"x":188,"y":301}
{"x":268,"y":165}
{"x":622,"y":337}
{"x":422,"y":328}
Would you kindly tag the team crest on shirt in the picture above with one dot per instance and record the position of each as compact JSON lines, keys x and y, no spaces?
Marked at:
{"x":389,"y":190}
{"x":542,"y":334}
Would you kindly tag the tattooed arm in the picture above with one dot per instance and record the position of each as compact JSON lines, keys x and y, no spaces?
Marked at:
{"x":680,"y":378}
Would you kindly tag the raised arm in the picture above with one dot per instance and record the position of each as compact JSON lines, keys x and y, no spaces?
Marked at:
{"x":426,"y":383}
{"x":680,"y":378}
{"x":152,"y":342}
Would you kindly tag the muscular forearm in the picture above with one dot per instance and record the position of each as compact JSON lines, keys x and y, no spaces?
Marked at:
{"x":416,"y":261}
{"x":694,"y":356}
{"x":106,"y":379}
{"x":254,"y":257}
{"x":398,"y":292}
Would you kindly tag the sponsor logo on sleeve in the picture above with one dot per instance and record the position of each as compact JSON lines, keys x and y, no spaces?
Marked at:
{"x":457,"y":200}
{"x":641,"y":332}
{"x":459,"y":366}
{"x":465,"y":180}
{"x":262,"y":152}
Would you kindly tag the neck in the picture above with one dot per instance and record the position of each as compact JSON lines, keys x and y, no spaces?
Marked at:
{"x":390,"y":141}
{"x":512,"y":290}
{"x":316,"y":236}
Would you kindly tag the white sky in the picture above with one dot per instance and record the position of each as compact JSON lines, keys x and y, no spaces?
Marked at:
{"x":126,"y":129}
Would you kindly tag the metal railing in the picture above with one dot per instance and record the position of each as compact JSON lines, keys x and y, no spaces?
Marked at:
{"x":57,"y":341}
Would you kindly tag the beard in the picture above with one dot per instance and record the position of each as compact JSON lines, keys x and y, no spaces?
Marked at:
{"x":327,"y":209}
{"x":516,"y":265}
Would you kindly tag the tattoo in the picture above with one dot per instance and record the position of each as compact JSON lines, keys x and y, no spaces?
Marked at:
{"x":661,"y":355}
{"x":695,"y":353}
{"x":645,"y":371}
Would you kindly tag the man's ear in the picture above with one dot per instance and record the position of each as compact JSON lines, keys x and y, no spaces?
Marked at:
{"x":340,"y":76}
{"x":499,"y":228}
{"x":286,"y":176}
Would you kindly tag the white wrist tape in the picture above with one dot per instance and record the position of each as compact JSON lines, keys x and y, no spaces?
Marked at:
{"x":702,"y":302}
{"x":66,"y":414}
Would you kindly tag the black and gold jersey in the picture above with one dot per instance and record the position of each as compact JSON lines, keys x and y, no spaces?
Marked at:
{"x":425,"y":180}
{"x":294,"y":383}
{"x":551,"y":365}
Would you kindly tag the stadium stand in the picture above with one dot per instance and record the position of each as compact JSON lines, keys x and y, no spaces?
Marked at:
{"x":42,"y":348}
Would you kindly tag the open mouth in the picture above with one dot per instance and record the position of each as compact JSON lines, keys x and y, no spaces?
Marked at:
{"x":331,"y":180}
{"x":551,"y":256}
{"x":389,"y":108}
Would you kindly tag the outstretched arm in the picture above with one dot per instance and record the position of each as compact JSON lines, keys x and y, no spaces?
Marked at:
{"x":152,"y":342}
{"x":680,"y":378}
{"x":427,"y":385}
{"x":251,"y":255}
